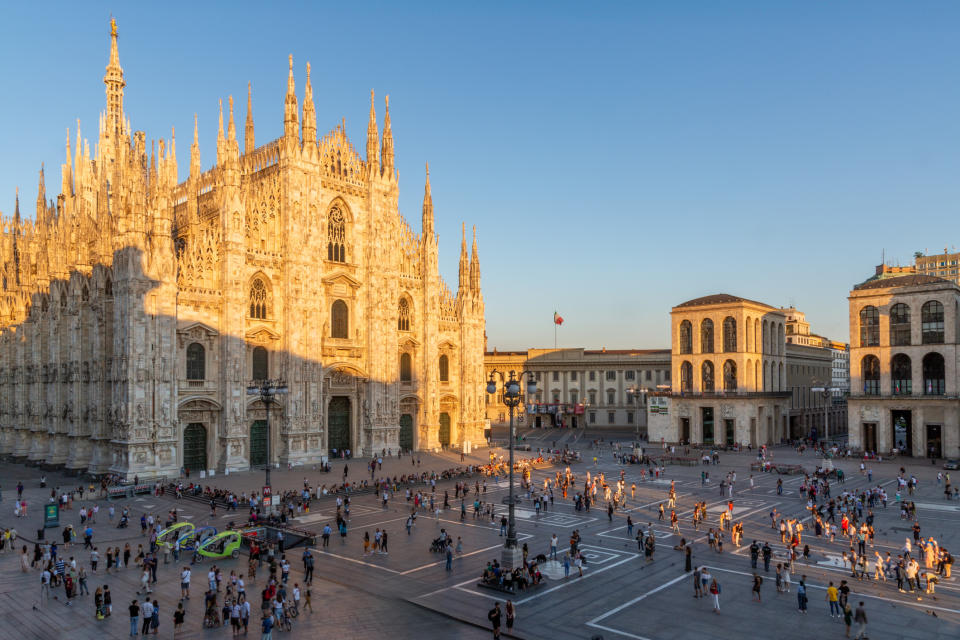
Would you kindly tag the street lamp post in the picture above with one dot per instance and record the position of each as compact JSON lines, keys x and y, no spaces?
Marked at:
{"x":268,"y":390}
{"x":827,"y":393}
{"x":512,"y":397}
{"x":634,"y":391}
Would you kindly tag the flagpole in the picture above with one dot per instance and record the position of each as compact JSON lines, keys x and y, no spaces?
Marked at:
{"x":554,"y":335}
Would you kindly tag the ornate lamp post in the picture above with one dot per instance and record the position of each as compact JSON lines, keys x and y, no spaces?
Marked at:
{"x":637,"y":393}
{"x":827,"y":394}
{"x":512,"y":397}
{"x":268,"y":390}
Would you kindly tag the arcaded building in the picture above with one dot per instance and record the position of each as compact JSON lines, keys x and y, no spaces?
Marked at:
{"x":905,"y":395}
{"x":137,"y":307}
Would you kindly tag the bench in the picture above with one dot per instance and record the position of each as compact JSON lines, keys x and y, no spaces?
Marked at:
{"x":128,"y":490}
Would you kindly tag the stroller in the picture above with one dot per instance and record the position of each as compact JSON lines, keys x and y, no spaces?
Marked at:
{"x":439,"y":545}
{"x":124,"y":522}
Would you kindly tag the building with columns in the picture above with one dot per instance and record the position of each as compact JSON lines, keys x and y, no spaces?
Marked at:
{"x":904,"y":392}
{"x":137,"y":307}
{"x":578,"y":388}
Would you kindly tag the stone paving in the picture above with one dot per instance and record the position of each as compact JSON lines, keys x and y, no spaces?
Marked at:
{"x":409,"y":594}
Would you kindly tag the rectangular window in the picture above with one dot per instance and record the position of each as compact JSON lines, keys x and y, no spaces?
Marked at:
{"x":611,"y":417}
{"x":556,"y":376}
{"x":611,"y":397}
{"x":611,"y":375}
{"x":629,"y":417}
{"x":593,"y":397}
{"x":649,"y":375}
{"x":573,"y":375}
{"x":593,"y":376}
{"x":629,"y":375}
{"x":556,"y":397}
{"x":593,"y":417}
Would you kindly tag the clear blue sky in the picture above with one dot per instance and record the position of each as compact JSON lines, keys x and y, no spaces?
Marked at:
{"x":617,"y":158}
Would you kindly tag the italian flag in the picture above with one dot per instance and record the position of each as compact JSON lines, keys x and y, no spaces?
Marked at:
{"x":556,"y":318}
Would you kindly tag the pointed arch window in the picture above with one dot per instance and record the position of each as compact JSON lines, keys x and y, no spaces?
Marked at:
{"x":196,"y":362}
{"x":339,"y":320}
{"x":336,"y":236}
{"x":444,"y":369}
{"x":706,"y":336}
{"x":403,"y":315}
{"x":406,"y":367}
{"x":729,"y":334}
{"x":706,"y":377}
{"x":686,"y":337}
{"x":258,"y":300}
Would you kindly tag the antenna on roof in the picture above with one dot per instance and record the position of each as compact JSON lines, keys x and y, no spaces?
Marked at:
{"x":883,"y":256}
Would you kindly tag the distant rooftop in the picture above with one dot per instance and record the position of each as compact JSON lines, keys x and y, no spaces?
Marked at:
{"x":900,"y":281}
{"x":718,"y":298}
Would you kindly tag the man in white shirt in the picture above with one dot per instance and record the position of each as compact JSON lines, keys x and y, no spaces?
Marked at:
{"x":146,"y":612}
{"x":45,"y":584}
{"x":296,"y":597}
{"x":212,"y":579}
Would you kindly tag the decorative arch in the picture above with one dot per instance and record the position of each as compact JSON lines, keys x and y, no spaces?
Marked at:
{"x":899,"y":325}
{"x":259,"y":297}
{"x":934,"y":374}
{"x":404,"y":315}
{"x":338,"y":219}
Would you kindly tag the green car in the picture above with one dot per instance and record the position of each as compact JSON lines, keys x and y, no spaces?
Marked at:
{"x":221,"y":545}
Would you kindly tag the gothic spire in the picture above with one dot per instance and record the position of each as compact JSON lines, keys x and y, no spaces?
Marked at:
{"x":464,"y":265}
{"x":309,"y":114}
{"x":248,"y":144}
{"x":231,"y":127}
{"x":173,"y":156}
{"x":291,"y":124}
{"x":16,"y":208}
{"x":195,"y":151}
{"x":474,"y":264}
{"x":41,"y":196}
{"x":115,"y":83}
{"x":427,"y":207}
{"x":386,"y":148}
{"x":373,"y":140}
{"x":66,"y":188}
{"x":220,"y":138}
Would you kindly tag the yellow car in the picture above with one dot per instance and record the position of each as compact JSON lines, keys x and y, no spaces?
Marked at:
{"x":170,"y":535}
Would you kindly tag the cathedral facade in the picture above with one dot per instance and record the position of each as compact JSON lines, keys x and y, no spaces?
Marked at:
{"x":136,"y":308}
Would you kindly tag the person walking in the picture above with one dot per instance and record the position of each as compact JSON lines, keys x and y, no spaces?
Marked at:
{"x":511,"y":614}
{"x":802,"y":595}
{"x":134,"y":617}
{"x":697,"y":592}
{"x":494,"y":617}
{"x":847,"y":618}
{"x":833,"y":597}
{"x":146,"y":609}
{"x":757,"y":581}
{"x":715,"y":592}
{"x":860,"y":617}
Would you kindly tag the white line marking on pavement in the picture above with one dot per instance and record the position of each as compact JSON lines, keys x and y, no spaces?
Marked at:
{"x":520,"y":537}
{"x":453,"y":586}
{"x":595,"y":621}
{"x":633,"y":556}
{"x":919,"y":605}
{"x":369,"y":564}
